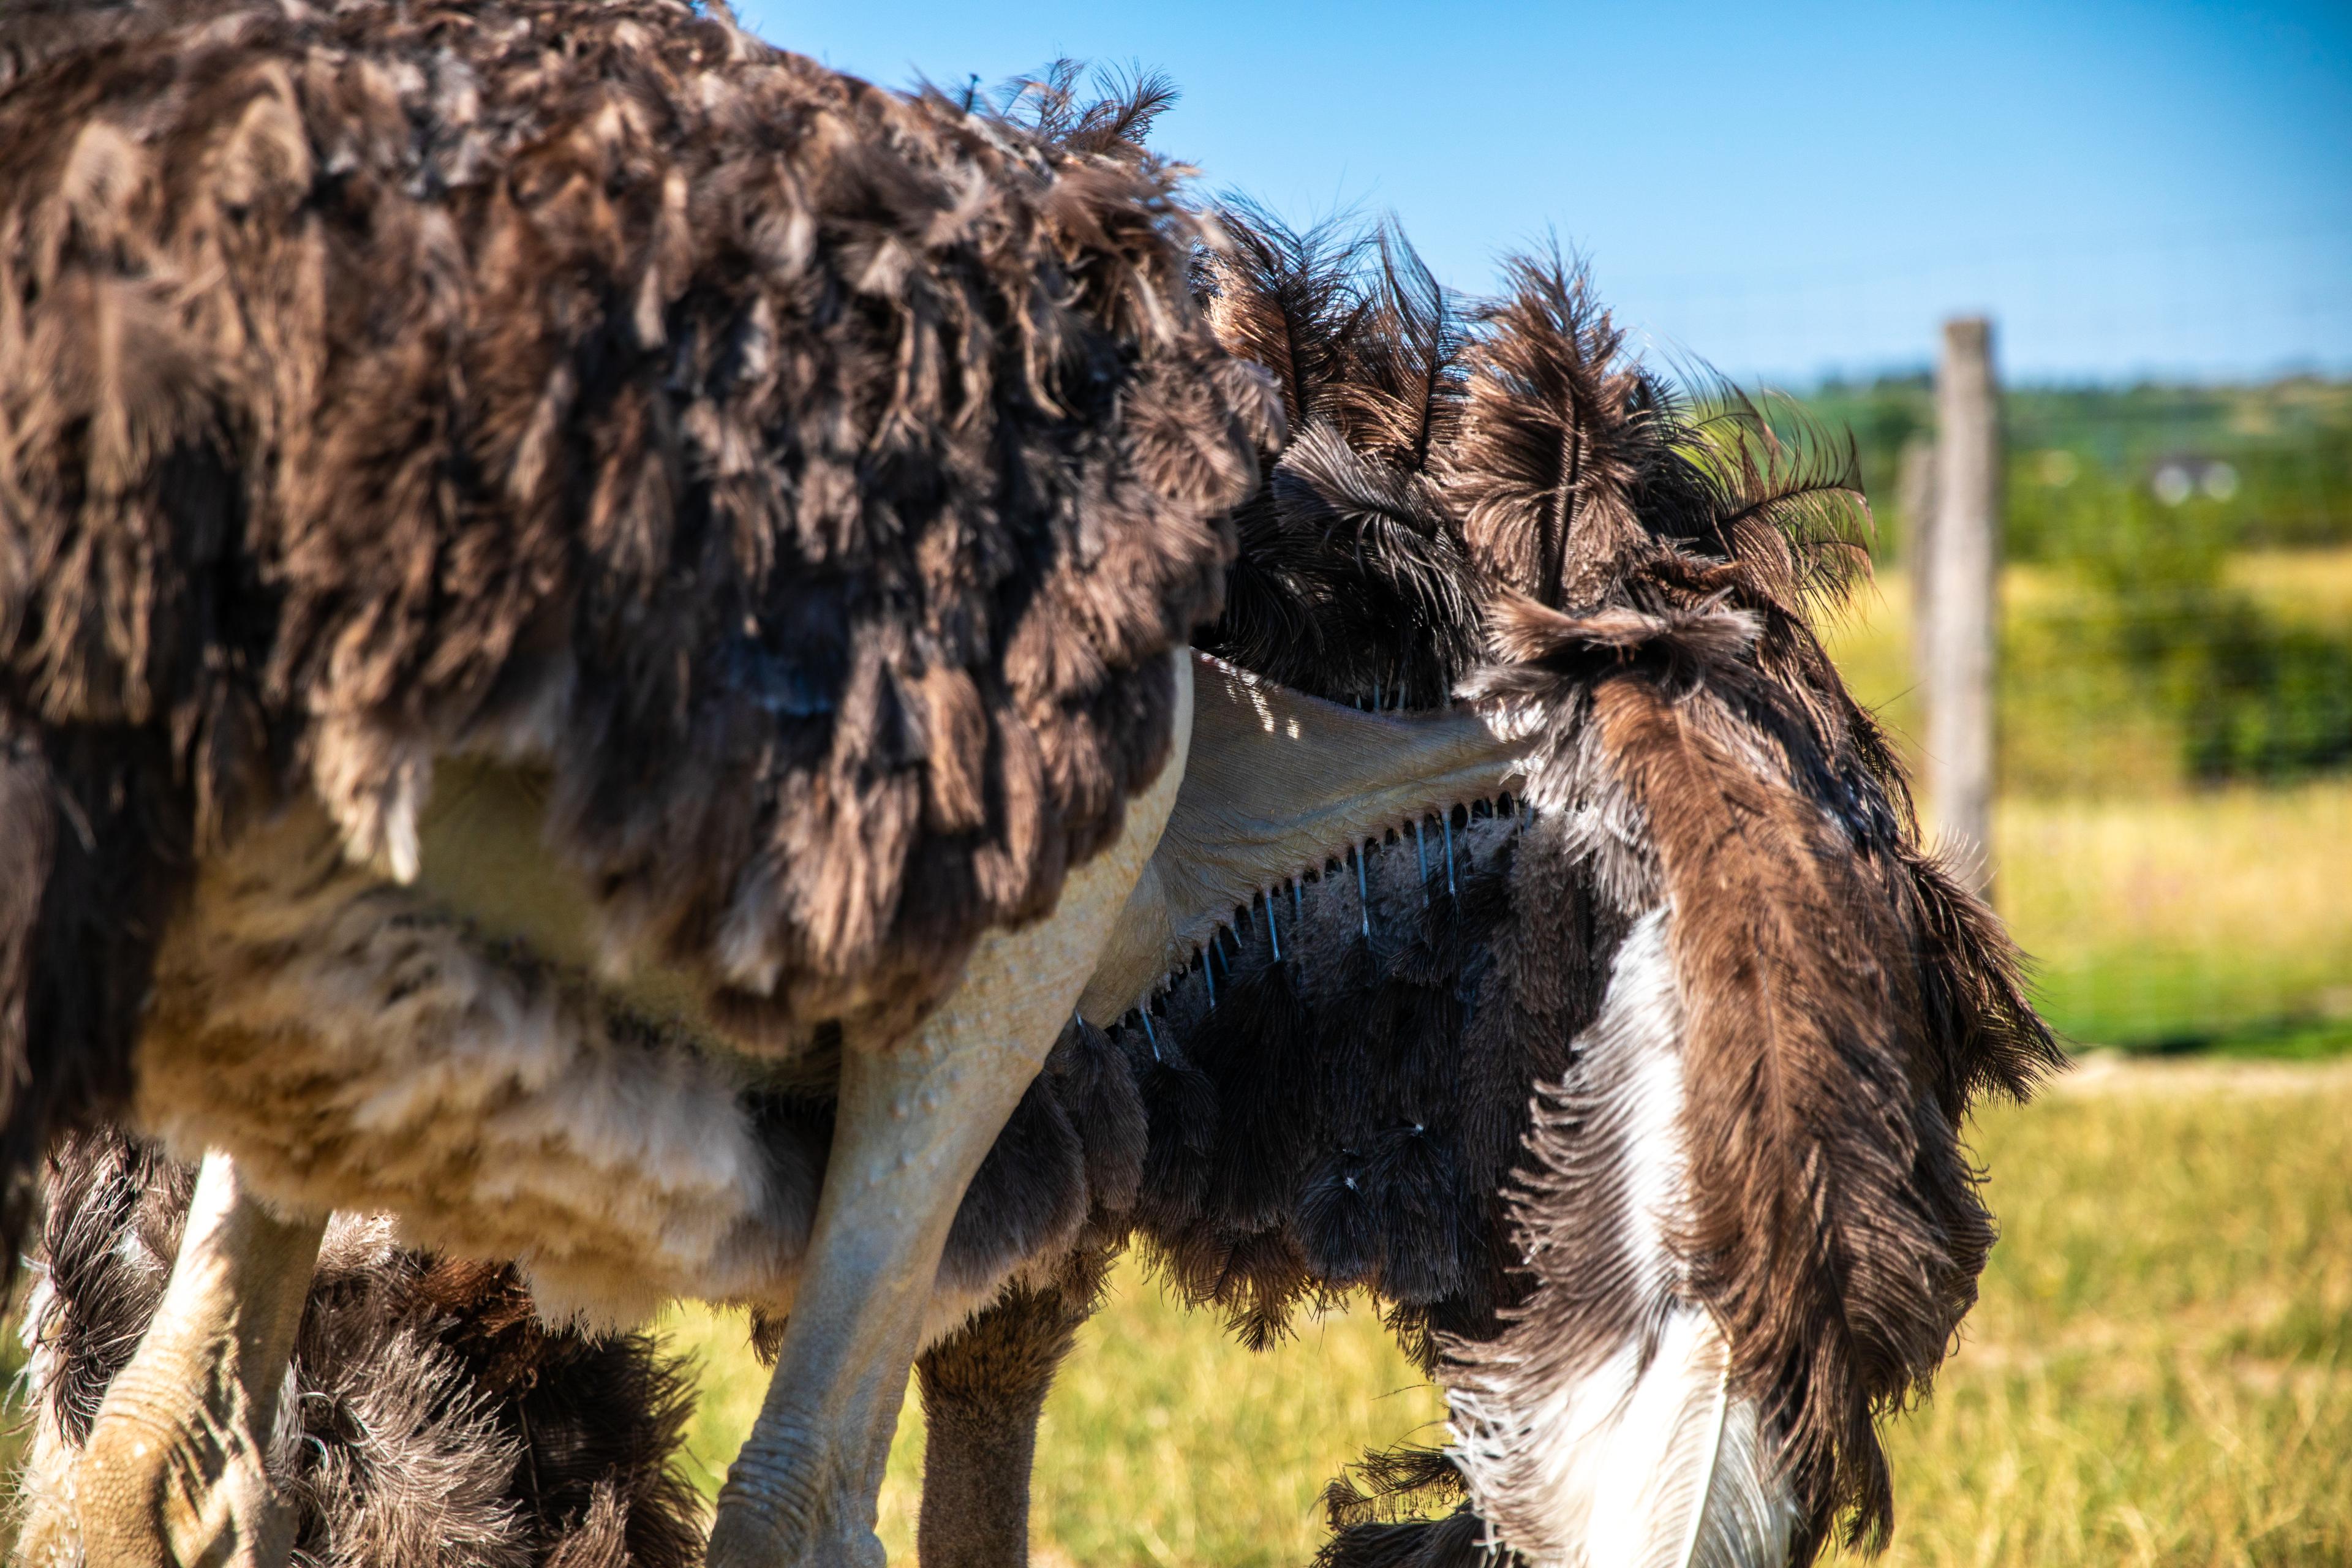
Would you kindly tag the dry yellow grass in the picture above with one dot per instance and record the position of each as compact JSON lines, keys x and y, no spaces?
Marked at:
{"x":2160,"y":1369}
{"x":2222,"y":918}
{"x":1163,"y":1443}
{"x":2310,"y":587}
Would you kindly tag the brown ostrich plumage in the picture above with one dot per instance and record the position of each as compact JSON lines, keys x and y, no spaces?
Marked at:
{"x":806,"y":476}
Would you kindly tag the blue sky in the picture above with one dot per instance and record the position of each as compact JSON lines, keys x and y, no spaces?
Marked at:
{"x":1782,"y":190}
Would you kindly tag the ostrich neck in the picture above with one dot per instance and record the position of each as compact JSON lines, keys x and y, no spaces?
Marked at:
{"x":1280,"y":782}
{"x":1276,"y":784}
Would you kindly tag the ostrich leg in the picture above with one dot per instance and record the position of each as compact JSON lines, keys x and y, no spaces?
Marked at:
{"x":983,"y":1390}
{"x":173,"y":1471}
{"x":915,"y":1118}
{"x":1275,"y":782}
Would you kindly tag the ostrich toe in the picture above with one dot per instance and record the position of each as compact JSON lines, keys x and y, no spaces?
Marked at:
{"x":172,"y":1473}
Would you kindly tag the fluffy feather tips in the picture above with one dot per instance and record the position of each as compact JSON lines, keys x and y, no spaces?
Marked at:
{"x":808,"y":478}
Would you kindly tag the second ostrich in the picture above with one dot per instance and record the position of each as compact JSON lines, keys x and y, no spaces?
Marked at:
{"x":1636,"y":1095}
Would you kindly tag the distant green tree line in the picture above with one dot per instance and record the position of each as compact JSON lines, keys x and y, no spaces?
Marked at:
{"x":2266,"y":466}
{"x":2141,"y":495}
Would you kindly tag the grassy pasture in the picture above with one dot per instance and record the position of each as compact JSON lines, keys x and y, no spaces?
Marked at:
{"x":2160,"y":1371}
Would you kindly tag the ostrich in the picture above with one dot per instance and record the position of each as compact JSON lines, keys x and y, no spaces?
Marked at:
{"x":432,"y":1417}
{"x":1633,"y":1097}
{"x":593,"y":625}
{"x":1337,"y":1089}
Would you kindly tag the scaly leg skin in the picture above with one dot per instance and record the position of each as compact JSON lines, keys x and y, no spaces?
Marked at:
{"x":915,"y":1118}
{"x":173,"y":1471}
{"x":983,"y":1392}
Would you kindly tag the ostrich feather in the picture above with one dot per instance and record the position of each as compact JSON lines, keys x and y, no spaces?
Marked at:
{"x":1352,"y":580}
{"x":1113,"y":120}
{"x":1286,"y":299}
{"x":806,"y":477}
{"x":1832,"y":1228}
{"x":1401,"y":399}
{"x":1555,"y":434}
{"x":1613,"y":1436}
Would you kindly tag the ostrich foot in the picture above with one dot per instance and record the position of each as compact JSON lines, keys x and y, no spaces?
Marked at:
{"x":172,"y":1472}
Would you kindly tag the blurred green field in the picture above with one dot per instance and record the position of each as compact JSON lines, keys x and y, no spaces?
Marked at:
{"x":2220,"y":921}
{"x":2073,"y":721}
{"x":2160,"y":1371}
{"x":2161,"y":915}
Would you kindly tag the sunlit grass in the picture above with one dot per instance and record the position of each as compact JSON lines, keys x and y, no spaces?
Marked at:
{"x":2160,"y":1371}
{"x":2160,"y":1368}
{"x":1164,"y":1442}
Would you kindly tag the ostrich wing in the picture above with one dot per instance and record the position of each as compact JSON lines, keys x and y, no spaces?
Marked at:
{"x":1640,"y":1104}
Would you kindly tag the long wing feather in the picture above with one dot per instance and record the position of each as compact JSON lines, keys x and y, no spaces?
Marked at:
{"x":1607,"y":1432}
{"x":1840,"y":1006}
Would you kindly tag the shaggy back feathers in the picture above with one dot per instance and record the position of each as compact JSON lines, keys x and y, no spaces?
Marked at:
{"x":1351,"y":581}
{"x":806,"y":477}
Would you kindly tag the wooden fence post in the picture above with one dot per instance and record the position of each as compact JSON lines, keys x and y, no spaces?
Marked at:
{"x":1915,"y":497}
{"x":1960,"y":609}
